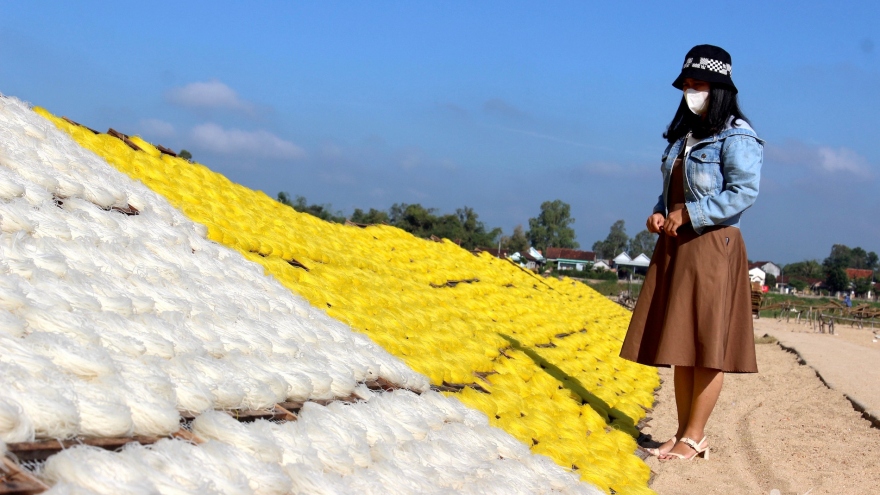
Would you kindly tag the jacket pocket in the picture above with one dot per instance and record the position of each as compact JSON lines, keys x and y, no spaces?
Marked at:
{"x":706,"y":170}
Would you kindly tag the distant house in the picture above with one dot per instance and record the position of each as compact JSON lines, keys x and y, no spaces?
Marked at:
{"x":531,"y":259}
{"x":854,"y":273}
{"x":768,"y":267}
{"x":498,"y":253}
{"x":639,"y":264}
{"x":783,"y":284}
{"x":756,"y":274}
{"x":601,"y":265}
{"x":570,"y":259}
{"x":782,"y":281}
{"x":640,"y":261}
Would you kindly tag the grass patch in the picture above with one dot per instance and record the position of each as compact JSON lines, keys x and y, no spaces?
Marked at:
{"x":604,"y":287}
{"x":766,"y":339}
{"x":803,"y":302}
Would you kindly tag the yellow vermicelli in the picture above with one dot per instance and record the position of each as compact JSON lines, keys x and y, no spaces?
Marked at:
{"x":545,"y":350}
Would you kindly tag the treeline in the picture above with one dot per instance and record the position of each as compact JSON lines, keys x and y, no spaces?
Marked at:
{"x":618,"y":242}
{"x":832,"y":270}
{"x":550,"y":228}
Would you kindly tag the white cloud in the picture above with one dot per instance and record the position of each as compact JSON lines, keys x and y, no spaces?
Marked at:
{"x":413,"y":157}
{"x":843,"y":160}
{"x":236,"y":141}
{"x":607,"y":169}
{"x":331,"y":152}
{"x":499,"y":107}
{"x":410,"y":158}
{"x":592,"y":171}
{"x":210,"y":94}
{"x":157,"y":128}
{"x":823,"y":159}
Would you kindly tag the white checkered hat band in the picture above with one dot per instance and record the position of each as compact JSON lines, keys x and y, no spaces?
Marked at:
{"x":709,"y":64}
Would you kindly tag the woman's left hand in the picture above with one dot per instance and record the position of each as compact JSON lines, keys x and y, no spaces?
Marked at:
{"x":674,"y":220}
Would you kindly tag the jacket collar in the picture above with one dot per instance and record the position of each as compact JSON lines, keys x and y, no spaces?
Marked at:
{"x":730,"y":131}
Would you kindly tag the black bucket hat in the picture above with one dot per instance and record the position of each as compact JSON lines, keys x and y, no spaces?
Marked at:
{"x":707,"y":63}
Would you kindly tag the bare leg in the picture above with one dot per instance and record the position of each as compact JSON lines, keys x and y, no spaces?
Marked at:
{"x":707,"y":384}
{"x":683,"y":380}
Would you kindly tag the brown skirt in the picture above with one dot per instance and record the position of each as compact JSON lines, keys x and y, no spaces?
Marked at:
{"x":695,"y":305}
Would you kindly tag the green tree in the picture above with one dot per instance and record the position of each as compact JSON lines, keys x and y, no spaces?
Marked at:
{"x":186,"y":155}
{"x":371,"y":217}
{"x":798,"y":284}
{"x":518,"y":242}
{"x":871,"y":261}
{"x":643,"y":242}
{"x":616,"y":242}
{"x":858,"y":258}
{"x":862,"y":286}
{"x":463,"y":227}
{"x":474,"y":233}
{"x":415,"y":219}
{"x":770,"y":281}
{"x":551,"y":228}
{"x":284,"y":199}
{"x":806,"y":269}
{"x":324,"y":212}
{"x":840,"y":257}
{"x":836,"y":279}
{"x":448,"y":226}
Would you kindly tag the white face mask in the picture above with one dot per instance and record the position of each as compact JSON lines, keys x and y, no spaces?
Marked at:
{"x":697,"y":101}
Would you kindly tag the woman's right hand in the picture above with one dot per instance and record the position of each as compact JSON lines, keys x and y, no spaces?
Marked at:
{"x":655,"y":223}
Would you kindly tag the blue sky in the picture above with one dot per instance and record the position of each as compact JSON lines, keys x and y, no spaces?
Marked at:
{"x":494,"y":105}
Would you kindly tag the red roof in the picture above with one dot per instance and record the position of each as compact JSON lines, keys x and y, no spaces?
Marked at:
{"x":758,"y":264}
{"x":854,"y":273}
{"x":569,"y":254}
{"x":493,"y":251}
{"x":529,"y":257}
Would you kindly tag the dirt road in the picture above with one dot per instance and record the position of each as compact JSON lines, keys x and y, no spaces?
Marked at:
{"x":779,"y":429}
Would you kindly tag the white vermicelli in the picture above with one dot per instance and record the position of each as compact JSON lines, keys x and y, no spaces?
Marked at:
{"x":102,"y":410}
{"x":98,"y":470}
{"x":15,"y":425}
{"x":171,"y":466}
{"x":65,"y":488}
{"x":83,"y":361}
{"x":215,"y":425}
{"x":112,"y":323}
{"x":309,"y":480}
{"x":11,"y":324}
{"x":264,"y":477}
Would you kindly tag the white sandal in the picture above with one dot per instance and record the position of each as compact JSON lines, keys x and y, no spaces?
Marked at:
{"x":694,"y":445}
{"x":656,"y":451}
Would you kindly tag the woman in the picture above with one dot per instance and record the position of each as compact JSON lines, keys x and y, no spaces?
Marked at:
{"x":694,"y":311}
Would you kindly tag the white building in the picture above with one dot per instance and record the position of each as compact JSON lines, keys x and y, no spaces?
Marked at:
{"x":768,"y":267}
{"x":757,"y":275}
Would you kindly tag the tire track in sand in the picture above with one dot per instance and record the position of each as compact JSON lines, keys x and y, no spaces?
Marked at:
{"x":781,"y":428}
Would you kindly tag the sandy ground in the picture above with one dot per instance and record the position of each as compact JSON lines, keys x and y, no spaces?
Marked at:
{"x":844,"y":331}
{"x":779,"y":429}
{"x":847,"y":361}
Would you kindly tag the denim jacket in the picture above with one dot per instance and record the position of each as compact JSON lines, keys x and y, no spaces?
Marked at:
{"x":721,"y":176}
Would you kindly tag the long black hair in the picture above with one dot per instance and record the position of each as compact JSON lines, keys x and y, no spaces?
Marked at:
{"x":723,"y":104}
